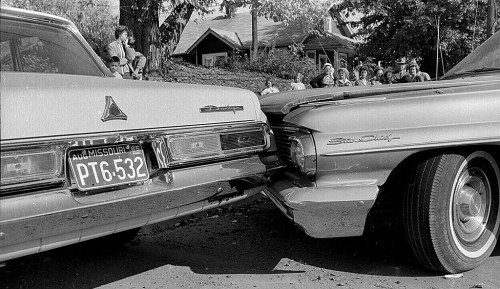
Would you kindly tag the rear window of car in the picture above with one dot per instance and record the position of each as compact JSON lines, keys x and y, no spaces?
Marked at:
{"x":41,"y":48}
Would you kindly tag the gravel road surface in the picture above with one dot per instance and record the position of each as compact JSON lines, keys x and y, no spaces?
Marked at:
{"x":250,"y":246}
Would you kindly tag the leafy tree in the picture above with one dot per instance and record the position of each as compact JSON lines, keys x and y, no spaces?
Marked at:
{"x":92,"y":17}
{"x":307,"y":12}
{"x":157,"y":42}
{"x":396,"y":28}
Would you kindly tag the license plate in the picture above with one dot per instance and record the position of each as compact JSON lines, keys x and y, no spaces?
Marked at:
{"x":99,"y":167}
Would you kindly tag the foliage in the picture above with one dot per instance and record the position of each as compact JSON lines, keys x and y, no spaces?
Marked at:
{"x":396,"y":28}
{"x":92,"y":17}
{"x":189,"y":73}
{"x":281,"y":63}
{"x":307,"y":12}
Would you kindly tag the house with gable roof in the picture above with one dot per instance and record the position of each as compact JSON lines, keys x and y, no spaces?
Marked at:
{"x":212,"y":41}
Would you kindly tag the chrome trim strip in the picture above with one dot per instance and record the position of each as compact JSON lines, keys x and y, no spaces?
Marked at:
{"x":494,"y":141}
{"x":136,"y":133}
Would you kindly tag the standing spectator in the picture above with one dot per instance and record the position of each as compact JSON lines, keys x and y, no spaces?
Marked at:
{"x":353,"y":76}
{"x":401,"y":69}
{"x":412,"y":75}
{"x":326,"y":79}
{"x":269,"y":88}
{"x":297,"y":84}
{"x":135,"y":58}
{"x":363,"y":76}
{"x":389,"y":77}
{"x":117,"y":48}
{"x":113,"y":64}
{"x":379,"y":76}
{"x":342,"y":80}
{"x":424,"y":75}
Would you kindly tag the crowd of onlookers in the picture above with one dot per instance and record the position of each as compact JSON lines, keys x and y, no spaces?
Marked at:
{"x":404,"y":73}
{"x":125,"y":62}
{"x":121,"y":57}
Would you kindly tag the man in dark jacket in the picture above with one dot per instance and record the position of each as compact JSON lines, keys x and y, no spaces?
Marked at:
{"x":401,"y":69}
{"x":326,"y":79}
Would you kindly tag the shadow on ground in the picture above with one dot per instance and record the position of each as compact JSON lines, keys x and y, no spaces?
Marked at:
{"x":253,"y":239}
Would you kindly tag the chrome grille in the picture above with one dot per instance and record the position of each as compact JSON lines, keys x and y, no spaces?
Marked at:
{"x":282,"y":135}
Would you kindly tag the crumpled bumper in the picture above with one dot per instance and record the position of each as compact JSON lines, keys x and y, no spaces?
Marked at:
{"x":325,"y":212}
{"x":39,"y":221}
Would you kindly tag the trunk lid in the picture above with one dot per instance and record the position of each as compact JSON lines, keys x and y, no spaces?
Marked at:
{"x":48,"y":105}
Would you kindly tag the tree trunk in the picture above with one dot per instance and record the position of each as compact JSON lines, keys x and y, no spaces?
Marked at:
{"x":172,"y":28}
{"x":255,"y":40}
{"x":490,"y":20}
{"x":141,"y":17}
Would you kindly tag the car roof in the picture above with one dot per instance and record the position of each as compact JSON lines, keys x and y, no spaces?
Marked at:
{"x":27,"y":14}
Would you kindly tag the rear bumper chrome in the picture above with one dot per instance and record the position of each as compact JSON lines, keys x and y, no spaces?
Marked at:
{"x":325,"y":212}
{"x":50,"y":219}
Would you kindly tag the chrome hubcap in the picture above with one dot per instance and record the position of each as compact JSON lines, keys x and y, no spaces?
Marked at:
{"x":472,"y":204}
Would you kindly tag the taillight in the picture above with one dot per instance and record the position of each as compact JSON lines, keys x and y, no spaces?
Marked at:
{"x":24,"y":166}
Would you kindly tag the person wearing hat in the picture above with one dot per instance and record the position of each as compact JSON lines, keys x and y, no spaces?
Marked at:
{"x":363,"y":77}
{"x":379,"y":76}
{"x":412,"y":75}
{"x":401,"y":69}
{"x":326,"y":79}
{"x":343,"y":80}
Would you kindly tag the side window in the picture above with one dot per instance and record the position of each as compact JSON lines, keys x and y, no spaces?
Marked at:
{"x":34,"y":56}
{"x":6,"y":62}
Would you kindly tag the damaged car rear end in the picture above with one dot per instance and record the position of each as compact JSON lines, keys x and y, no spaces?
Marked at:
{"x":427,"y":153}
{"x":84,"y":155}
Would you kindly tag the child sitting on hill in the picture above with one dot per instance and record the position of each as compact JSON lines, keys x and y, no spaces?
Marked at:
{"x":113,"y":64}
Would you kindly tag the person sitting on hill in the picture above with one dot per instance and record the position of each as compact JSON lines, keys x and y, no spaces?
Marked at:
{"x":325,"y":79}
{"x":297,"y":84}
{"x":136,"y":59}
{"x":342,"y":80}
{"x":269,"y":88}
{"x":113,"y":64}
{"x":117,"y":49}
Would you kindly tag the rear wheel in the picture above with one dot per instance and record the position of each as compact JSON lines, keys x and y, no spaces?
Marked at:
{"x":452,"y":212}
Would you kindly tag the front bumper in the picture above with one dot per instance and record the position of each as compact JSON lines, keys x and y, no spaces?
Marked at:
{"x":40,"y":221}
{"x":325,"y":212}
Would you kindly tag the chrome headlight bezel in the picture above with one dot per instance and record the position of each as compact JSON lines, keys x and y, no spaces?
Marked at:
{"x":303,"y":153}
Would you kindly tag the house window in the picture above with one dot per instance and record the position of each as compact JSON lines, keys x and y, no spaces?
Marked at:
{"x":214,"y":59}
{"x":343,"y":59}
{"x":311,"y":54}
{"x":322,"y":60}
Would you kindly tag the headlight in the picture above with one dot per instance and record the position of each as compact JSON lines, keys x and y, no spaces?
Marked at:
{"x":303,"y":154}
{"x":297,"y":154}
{"x":30,"y":165}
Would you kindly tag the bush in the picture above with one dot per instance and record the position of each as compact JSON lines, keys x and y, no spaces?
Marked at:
{"x":281,"y":63}
{"x":93,"y":18}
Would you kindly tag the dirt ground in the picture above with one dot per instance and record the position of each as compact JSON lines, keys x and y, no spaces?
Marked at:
{"x":250,"y":246}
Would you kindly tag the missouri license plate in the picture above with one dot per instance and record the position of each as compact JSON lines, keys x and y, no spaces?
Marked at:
{"x":99,"y":167}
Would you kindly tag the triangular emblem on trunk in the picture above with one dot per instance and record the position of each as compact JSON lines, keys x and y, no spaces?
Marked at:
{"x":112,"y":111}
